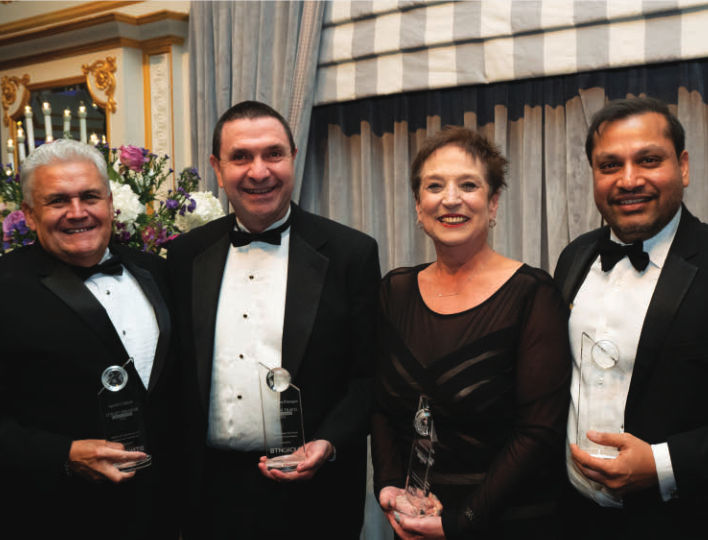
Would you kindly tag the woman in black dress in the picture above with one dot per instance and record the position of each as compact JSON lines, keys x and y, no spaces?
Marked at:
{"x":485,"y":339}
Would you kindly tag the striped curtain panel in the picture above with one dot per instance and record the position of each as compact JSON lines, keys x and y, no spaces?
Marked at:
{"x":360,"y":152}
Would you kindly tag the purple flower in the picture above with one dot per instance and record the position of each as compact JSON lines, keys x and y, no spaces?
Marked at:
{"x":172,"y":204}
{"x":192,"y":205}
{"x":14,"y":221}
{"x":133,"y":157}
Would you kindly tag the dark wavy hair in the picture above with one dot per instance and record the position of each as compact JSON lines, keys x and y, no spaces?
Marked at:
{"x":624,"y":108}
{"x":250,"y":110}
{"x":471,"y":142}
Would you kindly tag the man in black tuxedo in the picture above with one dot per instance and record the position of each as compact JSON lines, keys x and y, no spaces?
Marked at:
{"x":638,"y":289}
{"x":274,"y":285}
{"x":66,"y":319}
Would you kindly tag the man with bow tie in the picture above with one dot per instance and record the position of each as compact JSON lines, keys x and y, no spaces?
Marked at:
{"x":272,"y":285}
{"x":73,"y":307}
{"x":638,"y":289}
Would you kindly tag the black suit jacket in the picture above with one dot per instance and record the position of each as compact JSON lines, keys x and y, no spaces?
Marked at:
{"x":667,"y":399}
{"x":328,"y":347}
{"x":56,"y":341}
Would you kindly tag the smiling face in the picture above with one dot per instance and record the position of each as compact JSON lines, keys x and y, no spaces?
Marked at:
{"x":638,"y":179}
{"x":454,"y":203}
{"x":72,"y":211}
{"x":256,"y":170}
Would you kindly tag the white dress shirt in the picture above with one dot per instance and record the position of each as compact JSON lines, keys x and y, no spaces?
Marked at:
{"x":132,"y":316}
{"x":612,"y":306}
{"x":248,"y":336}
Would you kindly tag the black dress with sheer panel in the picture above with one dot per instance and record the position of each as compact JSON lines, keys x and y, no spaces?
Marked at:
{"x":498,"y":378}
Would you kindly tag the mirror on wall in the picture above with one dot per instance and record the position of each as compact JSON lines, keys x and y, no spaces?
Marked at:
{"x":67,"y":104}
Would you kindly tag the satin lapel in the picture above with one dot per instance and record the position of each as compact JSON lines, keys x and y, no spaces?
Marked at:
{"x":162,"y":315}
{"x":207,"y":273}
{"x":578,"y":270}
{"x":674,"y":282}
{"x":64,"y":283}
{"x":307,"y":269}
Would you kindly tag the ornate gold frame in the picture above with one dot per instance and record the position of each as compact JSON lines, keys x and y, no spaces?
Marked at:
{"x":105,"y":80}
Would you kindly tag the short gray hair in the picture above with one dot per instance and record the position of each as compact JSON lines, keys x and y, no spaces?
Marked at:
{"x":60,"y":151}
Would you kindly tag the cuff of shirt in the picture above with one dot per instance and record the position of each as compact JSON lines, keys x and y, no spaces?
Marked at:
{"x":664,"y":471}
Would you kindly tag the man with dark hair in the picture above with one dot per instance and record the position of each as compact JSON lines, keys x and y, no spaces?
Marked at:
{"x":272,"y":285}
{"x":70,"y":323}
{"x":638,"y":423}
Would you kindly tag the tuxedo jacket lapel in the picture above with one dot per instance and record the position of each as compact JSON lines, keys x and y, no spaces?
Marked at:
{"x":307,"y":269}
{"x":207,"y":273}
{"x":67,"y":286}
{"x":673,"y":284}
{"x":579,"y":267}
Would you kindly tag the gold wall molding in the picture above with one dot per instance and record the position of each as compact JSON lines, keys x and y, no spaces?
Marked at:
{"x":96,"y":46}
{"x":94,"y":21}
{"x":102,"y":72}
{"x":65,"y":81}
{"x":11,"y":85}
{"x":61,"y":15}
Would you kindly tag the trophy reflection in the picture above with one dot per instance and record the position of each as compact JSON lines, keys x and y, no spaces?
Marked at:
{"x":283,"y":429}
{"x":121,"y":410}
{"x":418,"y":500}
{"x":599,"y":408}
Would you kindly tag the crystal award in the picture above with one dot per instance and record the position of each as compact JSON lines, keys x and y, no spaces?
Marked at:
{"x":121,"y":411}
{"x":418,"y":500}
{"x":600,"y":402}
{"x":283,"y":431}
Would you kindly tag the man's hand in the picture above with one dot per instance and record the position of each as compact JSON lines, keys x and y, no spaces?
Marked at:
{"x":96,"y":459}
{"x":316,"y":453}
{"x":632,"y":470}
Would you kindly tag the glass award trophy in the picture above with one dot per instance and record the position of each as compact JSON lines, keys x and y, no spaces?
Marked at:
{"x":600,"y":407}
{"x":283,"y":428}
{"x":419,"y":501}
{"x":121,"y":410}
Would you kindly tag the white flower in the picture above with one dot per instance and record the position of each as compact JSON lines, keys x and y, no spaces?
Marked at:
{"x":126,"y":200}
{"x":208,"y":208}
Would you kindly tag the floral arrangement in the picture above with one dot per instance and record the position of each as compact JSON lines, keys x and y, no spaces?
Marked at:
{"x":15,"y":231}
{"x":145,"y":217}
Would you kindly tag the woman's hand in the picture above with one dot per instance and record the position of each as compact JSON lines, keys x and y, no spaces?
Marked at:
{"x":393,"y":502}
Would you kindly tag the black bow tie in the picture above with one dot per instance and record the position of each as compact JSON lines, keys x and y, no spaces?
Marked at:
{"x":110,"y":266}
{"x":243,"y":238}
{"x":612,"y":252}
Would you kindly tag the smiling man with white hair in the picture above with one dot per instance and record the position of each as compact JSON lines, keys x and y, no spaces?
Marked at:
{"x":76,"y":306}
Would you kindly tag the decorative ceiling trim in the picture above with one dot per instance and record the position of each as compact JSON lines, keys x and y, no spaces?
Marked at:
{"x":94,"y":21}
{"x":61,"y":15}
{"x":96,"y":46}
